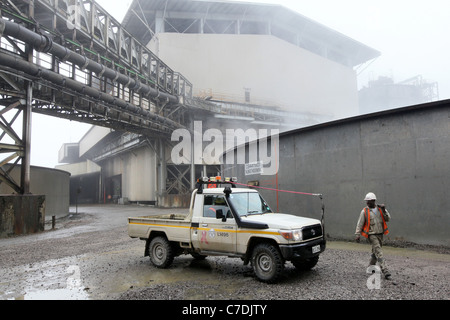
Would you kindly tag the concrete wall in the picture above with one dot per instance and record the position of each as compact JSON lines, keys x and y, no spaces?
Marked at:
{"x":21,"y":214}
{"x":274,"y":70}
{"x":138,"y":173}
{"x":92,"y":137}
{"x":401,"y":155}
{"x":80,"y":168}
{"x":53,"y":184}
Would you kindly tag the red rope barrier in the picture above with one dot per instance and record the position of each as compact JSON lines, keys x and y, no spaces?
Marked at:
{"x":273,"y":189}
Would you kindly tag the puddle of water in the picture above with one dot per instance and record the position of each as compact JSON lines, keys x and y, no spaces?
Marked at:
{"x":56,"y":279}
{"x":183,"y":270}
{"x":58,"y":294}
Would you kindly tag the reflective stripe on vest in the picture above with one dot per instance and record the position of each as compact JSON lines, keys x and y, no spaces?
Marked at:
{"x":365,"y":230}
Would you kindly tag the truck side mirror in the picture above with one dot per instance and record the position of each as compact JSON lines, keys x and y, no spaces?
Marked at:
{"x":220,"y":215}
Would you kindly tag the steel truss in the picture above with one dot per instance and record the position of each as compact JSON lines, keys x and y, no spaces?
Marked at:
{"x":71,"y":59}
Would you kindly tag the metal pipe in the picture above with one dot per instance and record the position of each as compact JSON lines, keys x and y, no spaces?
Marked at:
{"x":35,"y":71}
{"x":43,"y":43}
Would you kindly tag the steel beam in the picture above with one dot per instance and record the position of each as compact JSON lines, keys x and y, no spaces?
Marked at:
{"x":26,"y":139}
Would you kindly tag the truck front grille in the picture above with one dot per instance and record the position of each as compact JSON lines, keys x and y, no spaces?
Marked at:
{"x":312,"y":232}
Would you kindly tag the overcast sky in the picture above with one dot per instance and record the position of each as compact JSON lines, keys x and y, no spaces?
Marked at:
{"x":412,"y":36}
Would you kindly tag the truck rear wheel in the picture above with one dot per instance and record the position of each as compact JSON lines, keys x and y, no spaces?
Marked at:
{"x":161,"y":252}
{"x":267,"y":262}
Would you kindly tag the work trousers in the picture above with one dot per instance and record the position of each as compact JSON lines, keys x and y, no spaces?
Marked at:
{"x":376,"y":241}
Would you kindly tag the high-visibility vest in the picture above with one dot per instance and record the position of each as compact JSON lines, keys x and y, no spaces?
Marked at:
{"x":365,"y":230}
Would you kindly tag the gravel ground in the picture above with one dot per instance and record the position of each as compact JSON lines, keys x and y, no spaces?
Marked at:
{"x":340,"y":274}
{"x":112,"y":267}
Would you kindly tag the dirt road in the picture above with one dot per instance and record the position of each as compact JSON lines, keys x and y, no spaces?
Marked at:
{"x":90,"y":256}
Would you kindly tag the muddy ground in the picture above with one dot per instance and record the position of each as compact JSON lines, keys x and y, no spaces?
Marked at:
{"x":90,"y":256}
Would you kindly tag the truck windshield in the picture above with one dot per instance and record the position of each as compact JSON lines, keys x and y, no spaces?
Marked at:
{"x":248,"y":203}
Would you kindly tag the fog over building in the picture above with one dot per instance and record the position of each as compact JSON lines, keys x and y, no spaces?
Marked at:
{"x":383,"y":93}
{"x":261,"y":66}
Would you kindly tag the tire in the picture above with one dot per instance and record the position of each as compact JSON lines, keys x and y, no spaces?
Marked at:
{"x":305,"y":264}
{"x":161,"y":252}
{"x":267,"y":262}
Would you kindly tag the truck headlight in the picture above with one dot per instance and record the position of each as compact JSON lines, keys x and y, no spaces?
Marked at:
{"x":293,"y":235}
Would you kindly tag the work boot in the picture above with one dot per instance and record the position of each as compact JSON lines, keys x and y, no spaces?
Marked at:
{"x":373,"y":260}
{"x":384,"y":269}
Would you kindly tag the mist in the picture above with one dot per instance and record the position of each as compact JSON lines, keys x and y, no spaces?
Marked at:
{"x":410,"y":35}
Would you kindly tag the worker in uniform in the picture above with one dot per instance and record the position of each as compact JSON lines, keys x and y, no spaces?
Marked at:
{"x":372,"y":225}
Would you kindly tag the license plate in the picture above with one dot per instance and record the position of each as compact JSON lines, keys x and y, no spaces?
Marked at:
{"x":316,"y":249}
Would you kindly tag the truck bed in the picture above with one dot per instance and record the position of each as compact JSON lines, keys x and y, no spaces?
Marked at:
{"x":175,"y":226}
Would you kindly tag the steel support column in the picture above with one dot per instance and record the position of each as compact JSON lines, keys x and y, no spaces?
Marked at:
{"x":192,"y":156}
{"x":162,"y":188}
{"x":26,"y":140}
{"x":25,"y":171}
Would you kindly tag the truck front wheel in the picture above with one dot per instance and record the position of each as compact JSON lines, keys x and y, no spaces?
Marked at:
{"x":267,"y":262}
{"x":161,"y":252}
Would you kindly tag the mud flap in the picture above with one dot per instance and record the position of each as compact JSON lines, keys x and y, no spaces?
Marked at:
{"x":147,"y":245}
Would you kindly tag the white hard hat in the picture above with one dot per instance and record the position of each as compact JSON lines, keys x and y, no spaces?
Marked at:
{"x":370,"y":196}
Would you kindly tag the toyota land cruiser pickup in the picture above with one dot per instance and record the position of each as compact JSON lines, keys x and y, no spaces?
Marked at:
{"x":233,"y":222}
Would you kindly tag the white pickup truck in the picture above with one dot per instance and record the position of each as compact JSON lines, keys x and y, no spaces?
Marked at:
{"x":233,"y":222}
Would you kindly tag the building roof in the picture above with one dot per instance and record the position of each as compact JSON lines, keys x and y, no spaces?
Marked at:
{"x":219,"y":16}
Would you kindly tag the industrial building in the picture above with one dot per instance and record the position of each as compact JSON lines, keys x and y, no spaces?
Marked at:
{"x":240,"y":66}
{"x":257,"y":66}
{"x":250,"y":53}
{"x":384,"y":93}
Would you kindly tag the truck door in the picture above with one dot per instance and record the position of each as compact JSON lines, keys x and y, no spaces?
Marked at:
{"x":214,"y":234}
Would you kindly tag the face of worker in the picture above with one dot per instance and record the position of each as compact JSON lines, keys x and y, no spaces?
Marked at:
{"x":371,"y":203}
